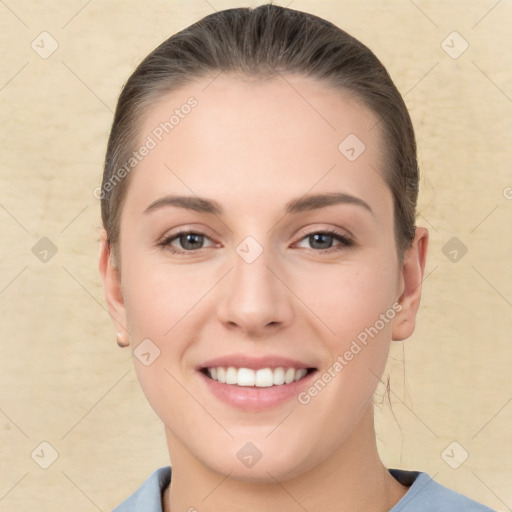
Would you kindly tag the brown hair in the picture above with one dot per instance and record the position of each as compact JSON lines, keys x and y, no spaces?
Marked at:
{"x":261,"y":43}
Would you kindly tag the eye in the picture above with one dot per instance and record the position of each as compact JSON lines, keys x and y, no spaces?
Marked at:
{"x":187,"y":241}
{"x":192,"y":241}
{"x":324,"y":240}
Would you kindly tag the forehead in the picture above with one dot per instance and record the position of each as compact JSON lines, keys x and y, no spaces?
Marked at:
{"x":244,"y":140}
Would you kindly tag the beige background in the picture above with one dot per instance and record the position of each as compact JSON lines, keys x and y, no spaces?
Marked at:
{"x":62,"y":378}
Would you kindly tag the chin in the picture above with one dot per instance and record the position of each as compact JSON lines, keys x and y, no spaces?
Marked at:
{"x":262,"y":460}
{"x":263,"y":472}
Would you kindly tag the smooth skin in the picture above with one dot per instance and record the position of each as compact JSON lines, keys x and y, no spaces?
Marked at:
{"x":253,"y":146}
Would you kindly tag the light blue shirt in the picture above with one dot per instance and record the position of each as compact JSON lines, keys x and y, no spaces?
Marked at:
{"x":424,"y":495}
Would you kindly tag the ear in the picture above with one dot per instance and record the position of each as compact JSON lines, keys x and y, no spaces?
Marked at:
{"x":411,"y":279}
{"x":112,"y":284}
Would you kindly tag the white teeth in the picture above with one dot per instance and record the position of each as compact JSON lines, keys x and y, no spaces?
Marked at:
{"x":279,"y":376}
{"x":300,"y":373}
{"x":246,"y":377}
{"x":231,"y":375}
{"x":262,"y":378}
{"x":289,"y":375}
{"x":221,"y":375}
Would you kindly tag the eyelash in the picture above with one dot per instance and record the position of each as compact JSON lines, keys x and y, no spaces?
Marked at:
{"x":345,"y":241}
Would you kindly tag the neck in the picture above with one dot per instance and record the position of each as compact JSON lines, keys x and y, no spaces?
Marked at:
{"x":351,"y":478}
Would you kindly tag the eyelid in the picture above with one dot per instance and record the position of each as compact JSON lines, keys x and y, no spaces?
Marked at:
{"x":344,"y":233}
{"x":185,"y":229}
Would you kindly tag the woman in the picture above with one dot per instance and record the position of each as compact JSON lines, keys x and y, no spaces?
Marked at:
{"x":259,"y":255}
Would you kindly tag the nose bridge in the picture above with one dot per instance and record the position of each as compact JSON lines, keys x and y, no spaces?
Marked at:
{"x":251,"y":274}
{"x":255,"y":297}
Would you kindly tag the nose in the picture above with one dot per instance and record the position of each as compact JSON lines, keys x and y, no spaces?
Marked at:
{"x":255,"y":298}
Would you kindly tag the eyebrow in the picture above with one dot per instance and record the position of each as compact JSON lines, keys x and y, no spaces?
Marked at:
{"x":302,"y":204}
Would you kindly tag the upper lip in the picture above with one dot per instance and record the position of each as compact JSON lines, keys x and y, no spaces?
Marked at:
{"x":254,"y":362}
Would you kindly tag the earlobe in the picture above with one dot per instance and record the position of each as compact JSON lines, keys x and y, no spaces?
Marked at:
{"x":412,"y":273}
{"x":122,"y":342}
{"x":112,"y":286}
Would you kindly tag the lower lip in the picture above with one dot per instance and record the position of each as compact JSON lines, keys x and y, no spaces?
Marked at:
{"x":251,"y":398}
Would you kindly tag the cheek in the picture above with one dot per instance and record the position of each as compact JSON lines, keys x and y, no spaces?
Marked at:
{"x":356,"y":305}
{"x":162,"y":302}
{"x":165,"y":304}
{"x":350,"y":298}
{"x":159,"y":295}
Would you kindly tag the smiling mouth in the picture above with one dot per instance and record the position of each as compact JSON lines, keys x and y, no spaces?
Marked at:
{"x":261,"y":378}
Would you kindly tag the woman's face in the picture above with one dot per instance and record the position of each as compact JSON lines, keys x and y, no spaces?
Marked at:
{"x":291,"y":264}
